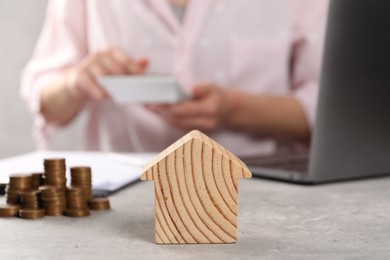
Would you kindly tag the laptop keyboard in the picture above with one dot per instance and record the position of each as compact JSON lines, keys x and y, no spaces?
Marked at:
{"x":294,"y":163}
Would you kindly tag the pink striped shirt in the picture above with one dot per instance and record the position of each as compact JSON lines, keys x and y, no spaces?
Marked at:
{"x":257,"y":46}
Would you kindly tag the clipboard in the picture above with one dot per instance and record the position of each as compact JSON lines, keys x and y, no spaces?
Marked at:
{"x":110,"y":172}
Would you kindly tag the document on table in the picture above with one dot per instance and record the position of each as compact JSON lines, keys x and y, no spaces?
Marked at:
{"x":110,"y":172}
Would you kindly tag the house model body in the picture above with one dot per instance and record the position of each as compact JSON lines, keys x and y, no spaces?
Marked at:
{"x":196,"y":191}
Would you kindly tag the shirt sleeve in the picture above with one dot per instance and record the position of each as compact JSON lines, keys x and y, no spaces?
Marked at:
{"x":309,"y":37}
{"x":62,"y":44}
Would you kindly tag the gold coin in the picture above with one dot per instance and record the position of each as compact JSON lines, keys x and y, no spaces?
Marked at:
{"x":31,"y":213}
{"x":99,"y":203}
{"x":77,"y":212}
{"x":8,"y":210}
{"x":50,"y":161}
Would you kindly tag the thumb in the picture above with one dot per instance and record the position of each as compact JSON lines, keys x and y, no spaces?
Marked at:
{"x":202,"y":90}
{"x":143,"y":64}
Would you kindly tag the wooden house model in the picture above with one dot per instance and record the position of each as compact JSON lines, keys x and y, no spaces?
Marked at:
{"x":196,"y":196}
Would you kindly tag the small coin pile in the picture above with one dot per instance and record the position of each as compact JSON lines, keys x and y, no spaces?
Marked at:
{"x":76,"y":205}
{"x":55,"y":172}
{"x":17,"y":183}
{"x":32,"y":196}
{"x":99,"y":204}
{"x":82,"y":177}
{"x":53,"y":200}
{"x":29,"y":199}
{"x":37,"y":180}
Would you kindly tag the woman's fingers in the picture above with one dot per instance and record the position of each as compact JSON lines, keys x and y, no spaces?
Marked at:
{"x":205,"y":111}
{"x":112,"y":61}
{"x":91,"y":88}
{"x":128,"y":64}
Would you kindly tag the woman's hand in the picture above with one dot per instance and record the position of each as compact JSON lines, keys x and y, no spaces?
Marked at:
{"x":262,"y":115}
{"x":205,"y":112}
{"x":64,"y":97}
{"x":83,"y":78}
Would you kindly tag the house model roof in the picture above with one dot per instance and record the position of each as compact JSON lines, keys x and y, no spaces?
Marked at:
{"x":197,"y":135}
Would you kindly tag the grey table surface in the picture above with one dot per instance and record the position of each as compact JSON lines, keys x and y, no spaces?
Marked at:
{"x":349,"y":220}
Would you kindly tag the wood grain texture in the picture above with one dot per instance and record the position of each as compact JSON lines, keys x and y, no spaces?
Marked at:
{"x":196,"y":191}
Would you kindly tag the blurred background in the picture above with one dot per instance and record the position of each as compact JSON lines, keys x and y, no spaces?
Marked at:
{"x":20,"y":25}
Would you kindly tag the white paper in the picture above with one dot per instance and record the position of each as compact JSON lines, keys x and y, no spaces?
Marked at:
{"x":109,"y":171}
{"x":143,"y":89}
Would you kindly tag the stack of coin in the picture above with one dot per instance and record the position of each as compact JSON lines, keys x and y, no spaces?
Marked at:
{"x":76,"y":202}
{"x":17,"y":183}
{"x":29,"y":199}
{"x":29,"y":191}
{"x":31,"y":213}
{"x":82,"y":177}
{"x":53,"y":200}
{"x":99,"y":204}
{"x":37,"y":180}
{"x":9,"y":210}
{"x":55,"y":170}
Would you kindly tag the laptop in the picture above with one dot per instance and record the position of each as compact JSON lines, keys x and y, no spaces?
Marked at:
{"x":352,"y":132}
